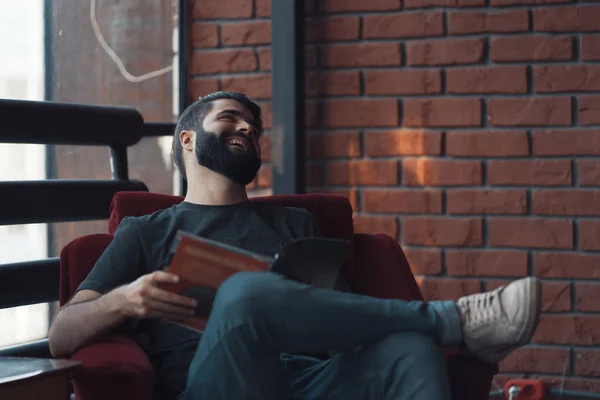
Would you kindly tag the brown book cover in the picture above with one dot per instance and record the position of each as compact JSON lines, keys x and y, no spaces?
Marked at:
{"x":203,"y":265}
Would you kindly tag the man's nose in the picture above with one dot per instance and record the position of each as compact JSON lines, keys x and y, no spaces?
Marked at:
{"x":246,"y":128}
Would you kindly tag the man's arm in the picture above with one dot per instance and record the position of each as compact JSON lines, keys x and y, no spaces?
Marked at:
{"x":116,"y":289}
{"x":90,"y":315}
{"x":87,"y":316}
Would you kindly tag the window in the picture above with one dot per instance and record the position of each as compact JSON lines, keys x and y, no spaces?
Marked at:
{"x":96,"y":52}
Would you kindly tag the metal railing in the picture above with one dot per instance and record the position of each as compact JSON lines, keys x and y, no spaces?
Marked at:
{"x":54,"y":200}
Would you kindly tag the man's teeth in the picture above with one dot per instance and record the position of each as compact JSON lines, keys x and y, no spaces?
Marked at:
{"x":238,"y":143}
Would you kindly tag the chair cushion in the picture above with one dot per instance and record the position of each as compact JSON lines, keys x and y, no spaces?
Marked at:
{"x":333,"y":212}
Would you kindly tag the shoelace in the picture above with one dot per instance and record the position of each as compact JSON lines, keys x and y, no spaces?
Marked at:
{"x":480,"y":309}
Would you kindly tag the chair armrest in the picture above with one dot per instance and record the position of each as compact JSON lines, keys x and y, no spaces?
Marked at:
{"x":113,"y":368}
{"x":380,"y":269}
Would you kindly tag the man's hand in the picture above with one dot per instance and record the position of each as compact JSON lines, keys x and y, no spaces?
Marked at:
{"x":144,"y":299}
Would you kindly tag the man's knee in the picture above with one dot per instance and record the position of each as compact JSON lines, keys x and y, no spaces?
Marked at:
{"x":245,"y":294}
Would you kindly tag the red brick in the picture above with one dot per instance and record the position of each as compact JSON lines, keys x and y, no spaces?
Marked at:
{"x":362,"y":172}
{"x":589,"y":49}
{"x":589,"y":110}
{"x":246,"y":33}
{"x":416,"y":81}
{"x":442,"y":112}
{"x":507,"y":263}
{"x":566,"y":202}
{"x":567,"y":19}
{"x":402,"y":142}
{"x":202,"y":87}
{"x":566,"y":142}
{"x":314,"y":174}
{"x":589,"y":234}
{"x":445,"y":51}
{"x":440,"y":172}
{"x":204,"y":35}
{"x":487,"y":143}
{"x":442,"y":3}
{"x":587,"y":361}
{"x":360,"y":112}
{"x":530,"y":232}
{"x":402,"y":201}
{"x":588,"y":172}
{"x":405,"y":24}
{"x":587,"y":295}
{"x":265,"y":176}
{"x":254,"y":86}
{"x":487,"y":80}
{"x":568,"y":329}
{"x":567,"y":265}
{"x":366,"y":54}
{"x":311,"y":114}
{"x":556,"y":296}
{"x":499,"y":21}
{"x":376,"y":225}
{"x":337,"y":83}
{"x":265,"y":146}
{"x":531,"y":48}
{"x":359,"y":5}
{"x":267,"y":116}
{"x":351,"y":194}
{"x":220,"y":61}
{"x":566,"y":78}
{"x":264,"y":58}
{"x":332,"y":145}
{"x":468,"y":201}
{"x":529,"y":172}
{"x":332,"y":29}
{"x":424,"y":261}
{"x":214,"y":9}
{"x":544,"y":360}
{"x":263,"y":8}
{"x":438,"y":231}
{"x":529,"y":111}
{"x":558,"y":383}
{"x":447,"y":289}
{"x":525,"y":2}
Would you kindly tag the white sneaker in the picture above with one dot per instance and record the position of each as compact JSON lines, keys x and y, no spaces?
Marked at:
{"x":497,"y":322}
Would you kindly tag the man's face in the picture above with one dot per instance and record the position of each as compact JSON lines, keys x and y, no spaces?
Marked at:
{"x":229,"y":142}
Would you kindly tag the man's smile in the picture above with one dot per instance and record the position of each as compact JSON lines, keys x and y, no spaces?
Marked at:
{"x":239,"y":143}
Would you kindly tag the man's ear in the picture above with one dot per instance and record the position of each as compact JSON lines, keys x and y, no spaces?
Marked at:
{"x":186,"y":138}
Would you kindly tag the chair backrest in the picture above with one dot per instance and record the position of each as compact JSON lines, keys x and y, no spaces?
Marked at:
{"x":333,"y":212}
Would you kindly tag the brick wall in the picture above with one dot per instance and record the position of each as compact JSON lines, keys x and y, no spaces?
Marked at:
{"x":467,"y":129}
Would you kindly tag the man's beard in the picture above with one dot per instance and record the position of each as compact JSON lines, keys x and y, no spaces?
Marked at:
{"x":213,"y":153}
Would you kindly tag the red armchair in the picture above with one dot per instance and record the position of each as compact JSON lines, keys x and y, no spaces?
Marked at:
{"x":117,"y":368}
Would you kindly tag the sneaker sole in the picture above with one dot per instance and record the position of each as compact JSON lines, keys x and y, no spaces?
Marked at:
{"x":534,"y":289}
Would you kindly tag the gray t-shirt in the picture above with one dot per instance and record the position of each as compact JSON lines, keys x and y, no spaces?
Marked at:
{"x":141,"y":245}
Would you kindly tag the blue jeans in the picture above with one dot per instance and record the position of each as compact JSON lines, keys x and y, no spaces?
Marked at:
{"x":385,"y":349}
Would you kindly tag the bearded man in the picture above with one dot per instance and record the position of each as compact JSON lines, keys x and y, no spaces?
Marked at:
{"x":262,"y":325}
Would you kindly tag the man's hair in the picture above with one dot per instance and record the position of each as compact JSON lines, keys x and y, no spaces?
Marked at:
{"x":193,"y":116}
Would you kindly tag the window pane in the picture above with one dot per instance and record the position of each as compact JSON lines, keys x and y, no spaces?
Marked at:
{"x":22,"y":77}
{"x":117,"y":52}
{"x":22,"y":54}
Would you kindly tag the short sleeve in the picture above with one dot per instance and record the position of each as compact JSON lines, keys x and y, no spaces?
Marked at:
{"x":122,"y":262}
